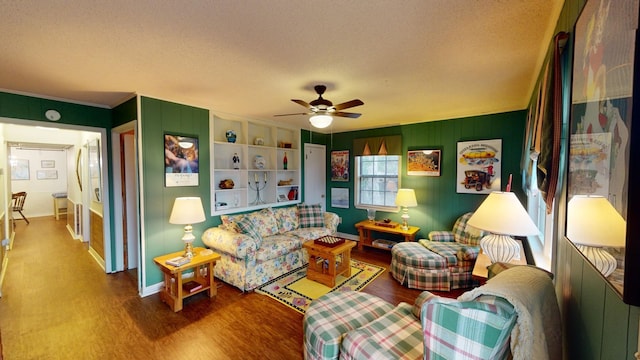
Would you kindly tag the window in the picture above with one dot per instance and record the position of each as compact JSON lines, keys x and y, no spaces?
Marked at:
{"x":377,"y":181}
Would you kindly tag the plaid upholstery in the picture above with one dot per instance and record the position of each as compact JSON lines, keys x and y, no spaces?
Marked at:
{"x":467,"y":330}
{"x":329,"y":317}
{"x":461,"y":233}
{"x":396,"y":335}
{"x":310,"y":216}
{"x":418,"y":268}
{"x":247,"y":226}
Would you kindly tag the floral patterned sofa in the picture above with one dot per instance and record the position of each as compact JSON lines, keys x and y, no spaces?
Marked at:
{"x":259,"y":246}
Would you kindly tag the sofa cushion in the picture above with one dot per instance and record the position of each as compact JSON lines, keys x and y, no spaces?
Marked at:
{"x":454,"y":329}
{"x":277,"y":245}
{"x":247,"y":226}
{"x":310,"y":216}
{"x":229,"y":222}
{"x":330,"y":316}
{"x":265,"y":222}
{"x":286,"y":218}
{"x":395,"y":335}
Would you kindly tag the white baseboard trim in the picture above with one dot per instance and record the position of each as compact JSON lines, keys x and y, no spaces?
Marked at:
{"x":348,"y":236}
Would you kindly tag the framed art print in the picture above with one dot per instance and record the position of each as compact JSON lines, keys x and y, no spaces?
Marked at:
{"x":423,"y":162}
{"x":479,"y":166}
{"x":340,"y":165}
{"x":180,"y":160}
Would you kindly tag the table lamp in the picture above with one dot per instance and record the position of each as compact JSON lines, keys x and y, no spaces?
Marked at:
{"x":502,"y":215}
{"x":406,"y":198}
{"x":187,"y":211}
{"x":593,"y":223}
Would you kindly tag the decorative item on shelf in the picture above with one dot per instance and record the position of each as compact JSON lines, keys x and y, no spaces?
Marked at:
{"x":285,"y":161}
{"x":226,"y":184}
{"x":259,"y":162}
{"x":286,"y":145}
{"x":258,"y":141}
{"x":236,"y":161}
{"x":221,"y":205}
{"x":258,"y":186}
{"x":285,"y":182}
{"x":502,"y":215}
{"x":593,"y":224}
{"x":406,"y":198}
{"x":386,"y":223}
{"x":187,"y":211}
{"x":231,"y":136}
{"x":293,"y":193}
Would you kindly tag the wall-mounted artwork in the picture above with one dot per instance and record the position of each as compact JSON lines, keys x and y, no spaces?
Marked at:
{"x":479,"y":166}
{"x":19,"y":169}
{"x":340,"y":198}
{"x":47,"y":164}
{"x":180,"y":160}
{"x":46,"y":174}
{"x":340,"y":165}
{"x":423,"y":162}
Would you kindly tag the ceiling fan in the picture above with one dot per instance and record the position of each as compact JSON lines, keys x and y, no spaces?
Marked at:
{"x":323,"y":110}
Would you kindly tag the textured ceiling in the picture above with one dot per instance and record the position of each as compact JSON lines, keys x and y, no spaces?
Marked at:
{"x":408,"y":61}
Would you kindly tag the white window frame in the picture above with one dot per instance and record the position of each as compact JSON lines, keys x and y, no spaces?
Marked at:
{"x":357,"y":176}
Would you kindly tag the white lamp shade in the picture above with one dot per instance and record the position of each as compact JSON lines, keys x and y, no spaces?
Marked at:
{"x":406,"y":198}
{"x":502,"y":213}
{"x":321,"y":120}
{"x":593,"y":221}
{"x":187,"y":210}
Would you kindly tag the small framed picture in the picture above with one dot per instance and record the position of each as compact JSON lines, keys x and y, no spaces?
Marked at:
{"x":282,"y":197}
{"x":47,"y":164}
{"x":423,"y":162}
{"x":340,"y":165}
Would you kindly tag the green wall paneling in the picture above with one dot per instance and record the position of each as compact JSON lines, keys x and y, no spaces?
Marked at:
{"x":592,"y":306}
{"x":125,"y":112}
{"x":616,"y":321}
{"x":159,"y":118}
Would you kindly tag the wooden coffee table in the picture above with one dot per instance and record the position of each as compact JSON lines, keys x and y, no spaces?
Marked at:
{"x":366,"y":227}
{"x":326,"y":263}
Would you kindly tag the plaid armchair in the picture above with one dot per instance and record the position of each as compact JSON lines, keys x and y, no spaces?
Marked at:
{"x":459,"y":247}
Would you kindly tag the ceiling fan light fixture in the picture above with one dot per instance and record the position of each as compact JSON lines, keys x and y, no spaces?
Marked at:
{"x":321,"y":121}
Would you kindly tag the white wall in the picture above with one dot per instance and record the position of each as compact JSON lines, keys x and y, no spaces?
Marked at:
{"x":39,"y":201}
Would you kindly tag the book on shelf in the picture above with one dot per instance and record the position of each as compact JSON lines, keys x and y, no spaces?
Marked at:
{"x":178,"y":261}
{"x":191,"y":286}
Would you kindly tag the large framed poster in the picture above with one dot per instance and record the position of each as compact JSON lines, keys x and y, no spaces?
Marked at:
{"x":180,"y":160}
{"x":479,"y":166}
{"x":340,"y":165}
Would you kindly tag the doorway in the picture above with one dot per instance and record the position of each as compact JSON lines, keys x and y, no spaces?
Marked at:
{"x":315,"y":174}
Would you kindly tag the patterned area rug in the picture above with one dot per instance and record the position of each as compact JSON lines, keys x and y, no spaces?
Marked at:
{"x":296,"y":291}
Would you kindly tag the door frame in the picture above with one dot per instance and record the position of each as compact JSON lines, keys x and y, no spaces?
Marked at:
{"x":309,"y":175}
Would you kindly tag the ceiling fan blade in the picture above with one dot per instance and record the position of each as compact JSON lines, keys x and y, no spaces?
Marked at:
{"x":348,"y":104}
{"x":294,"y":114}
{"x":346,"y":114}
{"x":302,"y":102}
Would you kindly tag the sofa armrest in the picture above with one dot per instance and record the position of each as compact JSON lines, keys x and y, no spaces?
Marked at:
{"x":331,"y":221}
{"x":468,"y":253}
{"x":442,"y":236}
{"x":229,"y":242}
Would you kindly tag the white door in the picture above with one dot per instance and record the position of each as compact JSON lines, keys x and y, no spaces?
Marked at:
{"x":315,"y":174}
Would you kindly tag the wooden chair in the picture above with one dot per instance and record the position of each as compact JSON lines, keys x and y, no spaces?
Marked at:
{"x":17,"y":202}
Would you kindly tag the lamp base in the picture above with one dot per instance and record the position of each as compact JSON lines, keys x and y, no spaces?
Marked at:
{"x":602,"y":260}
{"x":405,"y":219}
{"x":500,"y":248}
{"x":188,"y":240}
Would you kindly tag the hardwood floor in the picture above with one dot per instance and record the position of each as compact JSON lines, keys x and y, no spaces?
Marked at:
{"x":57,"y":303}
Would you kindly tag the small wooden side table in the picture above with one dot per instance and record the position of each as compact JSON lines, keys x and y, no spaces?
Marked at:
{"x":323,"y":267}
{"x":365,"y":227}
{"x":172,"y":292}
{"x":480,"y":271}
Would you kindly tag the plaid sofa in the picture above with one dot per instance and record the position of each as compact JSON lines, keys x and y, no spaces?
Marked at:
{"x":355,"y":326}
{"x":448,"y":258}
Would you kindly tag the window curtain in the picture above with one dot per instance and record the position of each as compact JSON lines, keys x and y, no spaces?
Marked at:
{"x":392,"y":145}
{"x":544,"y":128}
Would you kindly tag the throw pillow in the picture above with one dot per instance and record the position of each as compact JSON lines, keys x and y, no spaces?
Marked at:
{"x":264,"y":221}
{"x":247,"y":226}
{"x":229,"y":222}
{"x":286,"y":218}
{"x":310,"y":216}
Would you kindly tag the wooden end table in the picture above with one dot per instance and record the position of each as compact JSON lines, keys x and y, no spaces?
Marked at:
{"x":323,"y":267}
{"x":172,"y":292}
{"x":480,"y":271}
{"x":365,"y":227}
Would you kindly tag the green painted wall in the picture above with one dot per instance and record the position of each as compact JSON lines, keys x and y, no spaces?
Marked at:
{"x":159,"y":118}
{"x":439,"y":205}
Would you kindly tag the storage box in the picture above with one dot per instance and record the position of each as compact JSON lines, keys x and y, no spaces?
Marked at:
{"x":383,"y":244}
